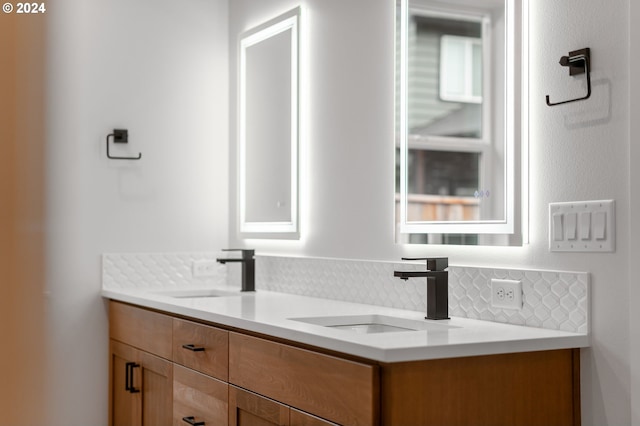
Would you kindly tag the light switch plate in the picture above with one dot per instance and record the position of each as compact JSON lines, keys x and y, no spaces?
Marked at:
{"x":595,"y":226}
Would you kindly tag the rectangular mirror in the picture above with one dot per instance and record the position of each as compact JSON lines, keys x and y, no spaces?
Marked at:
{"x":268,"y":128}
{"x":460,"y":148}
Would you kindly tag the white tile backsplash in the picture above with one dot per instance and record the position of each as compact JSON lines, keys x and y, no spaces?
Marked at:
{"x":551,"y":299}
{"x":158,"y":270}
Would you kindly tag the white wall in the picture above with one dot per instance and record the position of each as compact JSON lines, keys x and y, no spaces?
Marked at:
{"x":577,"y":152}
{"x":158,"y":68}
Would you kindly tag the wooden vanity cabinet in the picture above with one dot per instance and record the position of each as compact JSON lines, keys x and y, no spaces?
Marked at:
{"x":201,"y":369}
{"x":143,"y":329}
{"x":165,"y":370}
{"x":337,"y":389}
{"x":141,"y":379}
{"x":248,"y":408}
{"x":123,"y":405}
{"x":141,"y":387}
{"x":201,"y":347}
{"x":199,"y":398}
{"x":300,"y":418}
{"x":191,"y":372}
{"x":527,"y":388}
{"x":274,"y":382}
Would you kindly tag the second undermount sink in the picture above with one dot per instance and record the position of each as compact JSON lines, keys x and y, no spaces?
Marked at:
{"x":370,"y":324}
{"x":197,"y":293}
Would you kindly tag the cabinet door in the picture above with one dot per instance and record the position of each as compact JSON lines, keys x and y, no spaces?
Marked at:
{"x":156,"y":378}
{"x":141,"y":387}
{"x":249,"y":409}
{"x":124,"y":405}
{"x":533,"y":388}
{"x":300,"y":418}
{"x":199,"y":399}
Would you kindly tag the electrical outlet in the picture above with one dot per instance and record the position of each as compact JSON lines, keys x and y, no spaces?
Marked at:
{"x":204,"y":268}
{"x":506,"y":294}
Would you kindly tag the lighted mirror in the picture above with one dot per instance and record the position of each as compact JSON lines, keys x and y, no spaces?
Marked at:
{"x":460,"y":148}
{"x":268,"y":128}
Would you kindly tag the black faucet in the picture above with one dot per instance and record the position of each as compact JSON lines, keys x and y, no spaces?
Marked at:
{"x":248,"y":267}
{"x":437,"y":285}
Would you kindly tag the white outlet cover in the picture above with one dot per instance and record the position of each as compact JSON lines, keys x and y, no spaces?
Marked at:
{"x":506,"y":294}
{"x":204,"y":268}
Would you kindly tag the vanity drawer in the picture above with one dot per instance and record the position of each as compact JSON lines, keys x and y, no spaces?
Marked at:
{"x":340,"y":390}
{"x":199,"y":397}
{"x":202,"y":348}
{"x":140,"y":328}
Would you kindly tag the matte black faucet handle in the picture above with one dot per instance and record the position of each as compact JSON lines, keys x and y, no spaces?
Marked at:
{"x":433,"y":263}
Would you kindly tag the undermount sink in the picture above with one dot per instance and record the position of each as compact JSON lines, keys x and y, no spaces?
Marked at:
{"x":370,"y":324}
{"x":197,"y":293}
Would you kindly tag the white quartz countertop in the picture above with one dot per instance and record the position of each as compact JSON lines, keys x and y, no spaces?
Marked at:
{"x":271,"y":314}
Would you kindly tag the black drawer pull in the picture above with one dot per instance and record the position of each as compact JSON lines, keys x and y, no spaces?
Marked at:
{"x":128,"y":377}
{"x":193,"y":348}
{"x":192,"y":421}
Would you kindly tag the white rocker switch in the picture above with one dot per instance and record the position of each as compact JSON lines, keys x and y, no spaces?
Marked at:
{"x":571,"y":226}
{"x":557,"y":227}
{"x":585,"y":225}
{"x":599,"y":225}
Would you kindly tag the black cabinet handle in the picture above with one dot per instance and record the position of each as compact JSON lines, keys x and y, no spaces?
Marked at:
{"x":192,"y":421}
{"x":194,"y":348}
{"x":128,"y":377}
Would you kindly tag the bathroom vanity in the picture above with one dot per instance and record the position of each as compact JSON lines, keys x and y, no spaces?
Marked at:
{"x":267,"y":358}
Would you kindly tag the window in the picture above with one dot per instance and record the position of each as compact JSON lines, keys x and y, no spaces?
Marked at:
{"x":461,"y":69}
